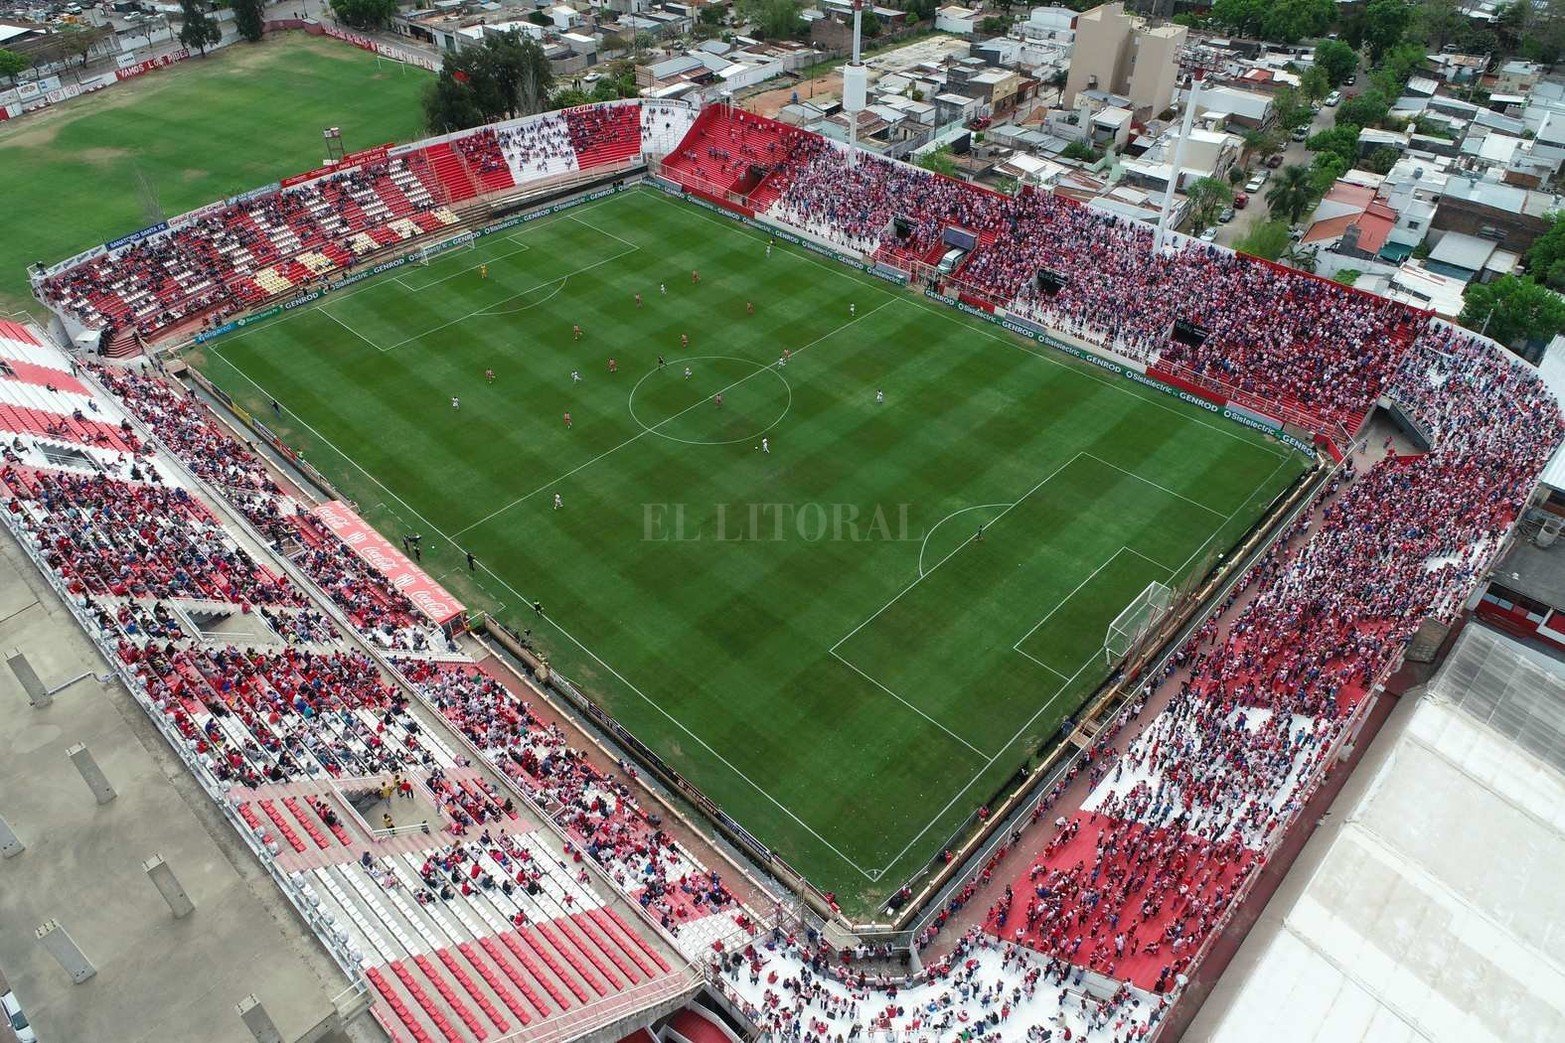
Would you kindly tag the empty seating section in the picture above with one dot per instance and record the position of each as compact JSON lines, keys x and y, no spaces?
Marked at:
{"x":41,"y":400}
{"x":487,"y":934}
{"x":605,"y":135}
{"x":730,"y":150}
{"x":664,"y":126}
{"x":455,"y":182}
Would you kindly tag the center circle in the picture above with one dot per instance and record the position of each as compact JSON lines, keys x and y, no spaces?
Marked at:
{"x":669,"y":404}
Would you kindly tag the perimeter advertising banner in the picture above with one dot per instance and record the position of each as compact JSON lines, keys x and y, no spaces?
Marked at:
{"x":413,"y":582}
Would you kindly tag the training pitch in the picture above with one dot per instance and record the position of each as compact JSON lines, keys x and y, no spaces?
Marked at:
{"x":93,"y":169}
{"x":849,"y":642}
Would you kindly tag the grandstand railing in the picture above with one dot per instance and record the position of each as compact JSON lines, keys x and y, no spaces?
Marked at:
{"x":684,"y":982}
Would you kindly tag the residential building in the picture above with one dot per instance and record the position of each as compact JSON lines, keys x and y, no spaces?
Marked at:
{"x":1117,"y":52}
{"x":1510,"y":216}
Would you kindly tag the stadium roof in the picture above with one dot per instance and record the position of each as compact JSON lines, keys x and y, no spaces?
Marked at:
{"x":1428,"y":908}
{"x":1551,"y":370}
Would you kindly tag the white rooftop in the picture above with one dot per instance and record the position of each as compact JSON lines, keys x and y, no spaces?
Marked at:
{"x":1434,"y":912}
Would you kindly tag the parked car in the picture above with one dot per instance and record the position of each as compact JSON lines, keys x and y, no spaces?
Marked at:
{"x":952,"y":258}
{"x":1351,"y":80}
{"x":1300,"y":133}
{"x":1274,"y":160}
{"x":1296,"y":232}
{"x":1226,"y":216}
{"x":1241,"y":200}
{"x":1257,"y":182}
{"x":1333,"y":98}
{"x":13,"y":1012}
{"x":1209,"y":236}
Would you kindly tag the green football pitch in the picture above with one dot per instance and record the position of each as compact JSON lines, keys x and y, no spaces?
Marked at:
{"x":93,"y":169}
{"x":848,"y":635}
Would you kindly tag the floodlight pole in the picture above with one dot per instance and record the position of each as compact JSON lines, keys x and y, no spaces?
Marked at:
{"x":853,"y":83}
{"x":1179,"y":154}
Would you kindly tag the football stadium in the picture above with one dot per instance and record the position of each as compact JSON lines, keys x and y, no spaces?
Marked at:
{"x":646,"y":571}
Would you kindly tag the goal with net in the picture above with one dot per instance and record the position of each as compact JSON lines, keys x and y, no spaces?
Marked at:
{"x":1130,"y":629}
{"x":424,"y":254}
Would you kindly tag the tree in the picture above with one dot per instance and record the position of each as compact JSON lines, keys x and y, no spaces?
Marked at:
{"x":1380,"y":161}
{"x":1292,"y":20}
{"x":197,"y":32}
{"x":1337,"y":60}
{"x":1290,"y":195}
{"x":12,"y":64}
{"x":570,"y":97}
{"x":248,"y":19}
{"x":1513,"y":310}
{"x":1291,"y":111}
{"x":1396,"y":65}
{"x":1080,"y":150}
{"x":994,"y":25}
{"x":1382,"y":26}
{"x":939,"y":160}
{"x":772,"y":19}
{"x":920,"y":10}
{"x":503,"y":77}
{"x":1341,"y":140}
{"x":75,"y":41}
{"x":1325,"y":171}
{"x":1268,"y":239}
{"x":1245,"y":16}
{"x":1546,"y":259}
{"x":364,"y":14}
{"x":1440,"y":21}
{"x":1347,"y":276}
{"x":1207,"y":196}
{"x":1363,"y":110}
{"x":1314,"y":84}
{"x":711,"y":15}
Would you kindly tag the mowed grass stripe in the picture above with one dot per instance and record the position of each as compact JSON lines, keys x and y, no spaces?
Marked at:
{"x":731,"y":638}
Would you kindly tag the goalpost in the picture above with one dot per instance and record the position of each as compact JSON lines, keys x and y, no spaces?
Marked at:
{"x":424,"y":254}
{"x":1131,"y":627}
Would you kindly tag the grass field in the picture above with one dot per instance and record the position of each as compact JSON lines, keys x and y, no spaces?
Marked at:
{"x":816,"y":636}
{"x":197,"y":131}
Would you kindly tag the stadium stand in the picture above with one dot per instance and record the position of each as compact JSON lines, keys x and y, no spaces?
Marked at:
{"x":231,"y":257}
{"x":1187,"y":792}
{"x":604,"y":135}
{"x":465,"y":926}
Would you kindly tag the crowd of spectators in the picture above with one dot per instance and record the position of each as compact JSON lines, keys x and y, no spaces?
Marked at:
{"x":138,"y":540}
{"x":377,"y":609}
{"x":595,"y":809}
{"x":985,"y":990}
{"x":1258,"y":328}
{"x":211,"y":262}
{"x":538,"y":147}
{"x":1258,"y":697}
